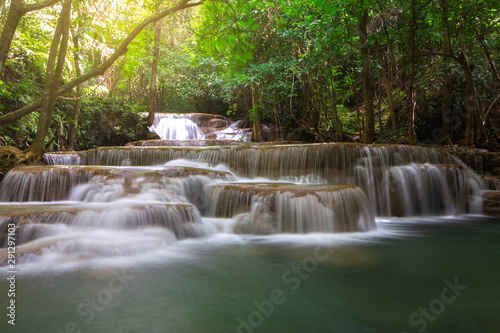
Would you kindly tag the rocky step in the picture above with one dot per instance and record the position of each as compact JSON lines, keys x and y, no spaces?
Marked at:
{"x":54,"y":183}
{"x":268,"y":208}
{"x":491,"y":203}
{"x":32,"y":221}
{"x":480,"y":160}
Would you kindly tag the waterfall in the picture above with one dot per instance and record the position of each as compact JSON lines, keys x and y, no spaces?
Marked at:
{"x":385,"y":173}
{"x":288,"y":208}
{"x":56,"y":183}
{"x":123,"y":201}
{"x":175,"y":127}
{"x":61,"y":159}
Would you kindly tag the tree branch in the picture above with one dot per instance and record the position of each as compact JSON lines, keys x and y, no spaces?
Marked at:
{"x":428,"y":53}
{"x":489,"y":109}
{"x":100,"y":70}
{"x":40,"y":5}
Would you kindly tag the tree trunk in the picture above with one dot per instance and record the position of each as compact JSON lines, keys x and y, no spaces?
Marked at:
{"x":116,"y":78}
{"x":153,"y":92}
{"x":100,"y":70}
{"x":18,"y":8}
{"x":471,"y":101}
{"x":387,"y":86}
{"x":332,"y":96}
{"x":257,"y":125}
{"x":16,"y":11}
{"x":412,"y":138}
{"x":277,"y":121}
{"x":52,"y":80}
{"x":487,"y":53}
{"x":448,"y":78}
{"x":79,"y":91}
{"x":369,"y":126}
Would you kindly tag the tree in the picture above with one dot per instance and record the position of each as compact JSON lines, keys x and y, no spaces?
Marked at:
{"x":17,"y":9}
{"x":153,"y":91}
{"x":57,"y":57}
{"x":55,"y":66}
{"x":79,"y":90}
{"x":412,"y":138}
{"x":100,"y":70}
{"x":369,"y":128}
{"x":448,"y":78}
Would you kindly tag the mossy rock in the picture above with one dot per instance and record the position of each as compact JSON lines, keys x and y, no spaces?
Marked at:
{"x":10,"y":157}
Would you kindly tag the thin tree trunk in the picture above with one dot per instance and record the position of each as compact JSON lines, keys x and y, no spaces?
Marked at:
{"x":369,"y":126}
{"x":257,"y":125}
{"x":387,"y":86}
{"x":16,"y":11}
{"x":471,"y":101}
{"x":379,"y":103}
{"x":116,"y":78}
{"x":79,"y":91}
{"x":448,"y":78}
{"x":277,"y":121}
{"x":332,"y":96}
{"x":52,"y":79}
{"x":487,"y":53}
{"x":153,"y":92}
{"x":18,"y":8}
{"x":412,"y":138}
{"x":100,"y":70}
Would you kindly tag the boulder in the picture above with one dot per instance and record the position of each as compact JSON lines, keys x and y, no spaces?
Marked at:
{"x":267,"y":208}
{"x":491,"y":203}
{"x":217,"y":123}
{"x":180,"y":218}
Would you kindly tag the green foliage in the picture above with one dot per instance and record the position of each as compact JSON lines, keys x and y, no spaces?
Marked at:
{"x":107,"y":122}
{"x":302,"y":57}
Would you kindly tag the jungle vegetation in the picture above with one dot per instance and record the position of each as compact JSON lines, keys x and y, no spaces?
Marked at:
{"x":79,"y":73}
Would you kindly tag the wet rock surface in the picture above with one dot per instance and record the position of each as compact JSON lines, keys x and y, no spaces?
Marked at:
{"x":491,"y":203}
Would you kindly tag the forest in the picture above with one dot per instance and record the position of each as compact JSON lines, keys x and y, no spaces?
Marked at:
{"x":76,"y":74}
{"x":250,"y":166}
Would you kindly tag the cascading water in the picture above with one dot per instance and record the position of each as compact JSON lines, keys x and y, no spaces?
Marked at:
{"x":223,"y":215}
{"x":365,"y":180}
{"x":383,"y":172}
{"x":176,"y":127}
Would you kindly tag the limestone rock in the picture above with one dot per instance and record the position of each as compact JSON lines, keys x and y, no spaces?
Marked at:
{"x":491,"y":203}
{"x":287,"y":208}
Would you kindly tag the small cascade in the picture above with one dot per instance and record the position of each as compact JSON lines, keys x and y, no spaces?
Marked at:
{"x":94,"y":183}
{"x":329,"y":160}
{"x":32,"y":219}
{"x":61,"y":159}
{"x":426,"y":189}
{"x":235,"y":133}
{"x":33,"y":183}
{"x":175,"y":127}
{"x":288,"y":208}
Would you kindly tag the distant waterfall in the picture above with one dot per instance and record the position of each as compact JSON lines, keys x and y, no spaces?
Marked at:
{"x":176,"y":127}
